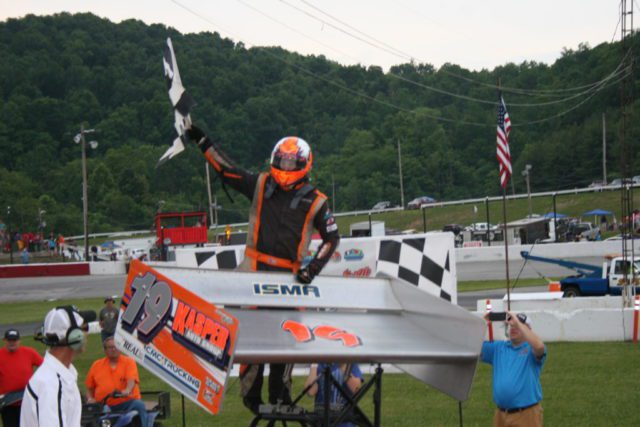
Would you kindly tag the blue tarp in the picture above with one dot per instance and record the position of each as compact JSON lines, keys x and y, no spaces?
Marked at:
{"x":597,"y":212}
{"x":558,"y":215}
{"x":109,"y":245}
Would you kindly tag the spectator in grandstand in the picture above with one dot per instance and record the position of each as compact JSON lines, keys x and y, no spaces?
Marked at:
{"x":24,"y":256}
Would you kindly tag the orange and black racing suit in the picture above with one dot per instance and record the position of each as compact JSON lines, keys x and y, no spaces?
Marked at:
{"x":280,"y":227}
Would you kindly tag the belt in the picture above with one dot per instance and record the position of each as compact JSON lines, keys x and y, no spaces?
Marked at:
{"x":272,"y":260}
{"x":514,"y":410}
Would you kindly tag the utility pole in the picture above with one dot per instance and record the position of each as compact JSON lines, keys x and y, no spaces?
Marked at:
{"x":400,"y":172}
{"x":206,"y":168}
{"x":604,"y":151}
{"x":80,"y":139}
{"x":486,"y":206}
{"x":10,"y":234}
{"x":215,"y":202}
{"x":526,"y":173}
{"x":85,"y":196}
{"x":626,"y":151}
{"x":333,"y":193}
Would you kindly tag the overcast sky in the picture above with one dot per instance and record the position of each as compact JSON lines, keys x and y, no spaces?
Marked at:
{"x":474,"y":34}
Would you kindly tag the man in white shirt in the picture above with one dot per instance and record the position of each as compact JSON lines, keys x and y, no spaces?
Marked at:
{"x":52,"y":397}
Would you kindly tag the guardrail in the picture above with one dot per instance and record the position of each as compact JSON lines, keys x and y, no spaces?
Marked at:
{"x":400,"y":208}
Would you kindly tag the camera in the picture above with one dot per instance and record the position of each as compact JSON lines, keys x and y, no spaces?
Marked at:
{"x":497,"y":316}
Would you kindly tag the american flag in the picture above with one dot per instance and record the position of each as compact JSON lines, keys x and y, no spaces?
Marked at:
{"x":503,"y":153}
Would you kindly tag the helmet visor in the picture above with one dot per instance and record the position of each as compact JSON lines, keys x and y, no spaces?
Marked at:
{"x":288,"y":162}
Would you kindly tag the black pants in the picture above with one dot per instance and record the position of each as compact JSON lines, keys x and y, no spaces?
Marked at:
{"x":279,"y":384}
{"x":11,"y":416}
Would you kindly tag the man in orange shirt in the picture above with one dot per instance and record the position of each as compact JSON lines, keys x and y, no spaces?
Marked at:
{"x":16,"y":368}
{"x":118,"y":373}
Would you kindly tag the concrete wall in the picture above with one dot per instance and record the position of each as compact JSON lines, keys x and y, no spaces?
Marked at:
{"x":107,"y":268}
{"x":36,"y":270}
{"x":571,"y":319}
{"x":552,"y":250}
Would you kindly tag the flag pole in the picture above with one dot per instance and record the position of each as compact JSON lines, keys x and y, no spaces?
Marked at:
{"x":504,"y":203}
{"x":506,"y":244}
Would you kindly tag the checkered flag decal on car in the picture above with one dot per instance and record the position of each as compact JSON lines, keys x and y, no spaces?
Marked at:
{"x":218,"y":259}
{"x":422,"y":261}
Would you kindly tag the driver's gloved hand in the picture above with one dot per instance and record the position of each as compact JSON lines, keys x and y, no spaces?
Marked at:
{"x":199,"y":137}
{"x":305,"y":275}
{"x":195,"y":134}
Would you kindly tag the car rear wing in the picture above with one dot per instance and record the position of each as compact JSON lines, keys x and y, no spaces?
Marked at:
{"x":363,"y":320}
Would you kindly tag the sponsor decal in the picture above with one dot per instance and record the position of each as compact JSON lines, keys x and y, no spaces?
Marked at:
{"x":361,"y":272}
{"x":472,"y":244}
{"x":286,"y":289}
{"x":205,"y":336}
{"x":169,"y":367}
{"x":133,"y":349}
{"x":302,"y":333}
{"x":353,"y":254}
{"x":184,"y":340}
{"x":336,"y":257}
{"x":212,"y":385}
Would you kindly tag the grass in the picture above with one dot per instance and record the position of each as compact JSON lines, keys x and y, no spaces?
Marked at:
{"x":592,"y":384}
{"x":583,"y":383}
{"x":482,"y":285}
{"x":34,"y":311}
{"x":437,"y":216}
{"x":573,"y":205}
{"x":34,"y":258}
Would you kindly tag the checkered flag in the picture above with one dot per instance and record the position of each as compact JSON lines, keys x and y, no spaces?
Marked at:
{"x":180,"y":100}
{"x":423,"y":261}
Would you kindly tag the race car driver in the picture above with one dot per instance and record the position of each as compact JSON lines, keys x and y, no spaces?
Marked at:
{"x":285,"y":208}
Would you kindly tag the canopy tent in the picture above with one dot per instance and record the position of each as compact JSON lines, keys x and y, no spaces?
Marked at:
{"x":598,"y":212}
{"x":110,"y":245}
{"x":602,"y":215}
{"x":557,"y":215}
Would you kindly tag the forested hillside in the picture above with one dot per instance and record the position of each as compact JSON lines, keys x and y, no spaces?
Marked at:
{"x":64,"y":70}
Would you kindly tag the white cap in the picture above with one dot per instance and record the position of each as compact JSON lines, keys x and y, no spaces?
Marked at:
{"x":524,"y":319}
{"x":58,"y":323}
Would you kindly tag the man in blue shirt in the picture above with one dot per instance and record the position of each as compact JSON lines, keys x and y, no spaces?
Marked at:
{"x":517,"y":364}
{"x":350,"y":376}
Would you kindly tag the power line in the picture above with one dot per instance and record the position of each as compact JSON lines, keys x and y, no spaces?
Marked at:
{"x":334,"y":83}
{"x":399,"y":52}
{"x":406,"y":56}
{"x":513,"y":104}
{"x":392,"y":51}
{"x":389,"y":104}
{"x":255,"y":9}
{"x":546,"y":119}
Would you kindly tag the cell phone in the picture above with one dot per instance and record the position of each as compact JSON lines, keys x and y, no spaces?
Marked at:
{"x":496,"y":316}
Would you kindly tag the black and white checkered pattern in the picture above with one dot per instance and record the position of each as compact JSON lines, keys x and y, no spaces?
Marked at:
{"x":181,"y":101}
{"x":219,"y":259}
{"x":422,"y":261}
{"x":426,"y":261}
